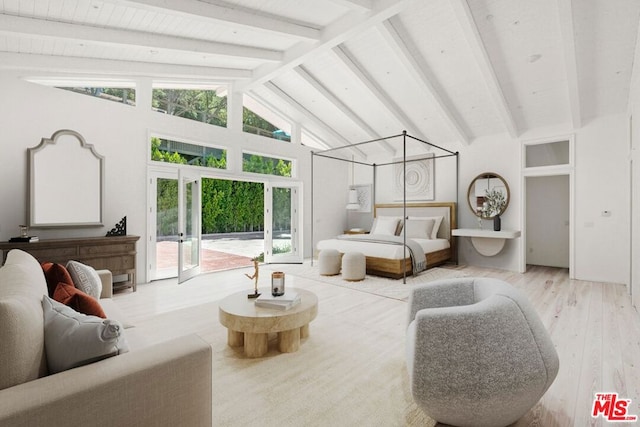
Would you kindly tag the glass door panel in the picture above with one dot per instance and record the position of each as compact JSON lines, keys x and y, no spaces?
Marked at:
{"x":166,"y":228}
{"x":189,"y":202}
{"x":282,"y":223}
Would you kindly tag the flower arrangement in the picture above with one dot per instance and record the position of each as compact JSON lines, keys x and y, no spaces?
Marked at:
{"x":495,"y":201}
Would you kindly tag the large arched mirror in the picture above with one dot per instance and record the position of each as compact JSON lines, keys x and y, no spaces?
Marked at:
{"x":66,"y":182}
{"x":488,"y":195}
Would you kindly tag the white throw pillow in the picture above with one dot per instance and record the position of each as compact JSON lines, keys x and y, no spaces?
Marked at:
{"x":419,"y":228}
{"x":85,"y":278}
{"x":436,"y":226}
{"x":73,"y":339}
{"x":385,"y":225}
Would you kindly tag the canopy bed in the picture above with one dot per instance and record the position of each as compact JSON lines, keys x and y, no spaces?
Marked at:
{"x":405,"y":237}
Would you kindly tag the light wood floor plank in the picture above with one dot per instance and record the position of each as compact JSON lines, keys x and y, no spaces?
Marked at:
{"x":593,"y":325}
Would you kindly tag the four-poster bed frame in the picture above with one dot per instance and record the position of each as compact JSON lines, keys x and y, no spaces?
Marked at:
{"x":383,"y":266}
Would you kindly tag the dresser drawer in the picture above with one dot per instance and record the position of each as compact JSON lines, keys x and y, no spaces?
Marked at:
{"x":118,"y":248}
{"x":58,"y":255}
{"x":117,"y":264}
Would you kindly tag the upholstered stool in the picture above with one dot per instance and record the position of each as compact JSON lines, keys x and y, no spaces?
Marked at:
{"x":329,"y":260}
{"x":354,"y":266}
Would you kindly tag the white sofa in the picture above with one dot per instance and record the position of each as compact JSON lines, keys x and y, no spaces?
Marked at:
{"x":167,"y":384}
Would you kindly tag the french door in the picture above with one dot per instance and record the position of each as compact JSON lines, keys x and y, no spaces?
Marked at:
{"x":282,"y":223}
{"x":189,"y":228}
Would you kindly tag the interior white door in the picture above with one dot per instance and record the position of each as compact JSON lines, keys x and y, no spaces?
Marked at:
{"x":190,"y":230}
{"x":282,"y":220}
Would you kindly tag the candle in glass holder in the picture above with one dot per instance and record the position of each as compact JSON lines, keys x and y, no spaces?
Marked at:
{"x":277,"y":283}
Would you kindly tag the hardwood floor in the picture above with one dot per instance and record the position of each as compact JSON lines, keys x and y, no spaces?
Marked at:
{"x":593,"y":325}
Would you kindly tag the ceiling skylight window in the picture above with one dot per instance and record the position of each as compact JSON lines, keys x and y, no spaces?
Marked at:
{"x":121,"y":91}
{"x":206,"y":103}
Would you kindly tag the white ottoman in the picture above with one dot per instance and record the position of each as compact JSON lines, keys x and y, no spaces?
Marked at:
{"x":329,"y":260}
{"x":354,"y":266}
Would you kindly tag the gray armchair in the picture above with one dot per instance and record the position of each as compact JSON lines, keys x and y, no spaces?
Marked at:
{"x":477,"y":353}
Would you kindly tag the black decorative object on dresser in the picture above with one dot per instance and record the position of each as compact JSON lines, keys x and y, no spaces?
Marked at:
{"x":116,"y":254}
{"x":120,"y":229}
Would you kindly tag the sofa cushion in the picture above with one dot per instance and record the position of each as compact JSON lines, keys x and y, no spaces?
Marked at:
{"x":22,"y":286}
{"x":73,"y":297}
{"x":55,"y":273}
{"x":74,"y":339}
{"x":85,"y":278}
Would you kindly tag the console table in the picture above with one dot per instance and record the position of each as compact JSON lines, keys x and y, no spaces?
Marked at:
{"x":117,"y":254}
{"x":486,"y":242}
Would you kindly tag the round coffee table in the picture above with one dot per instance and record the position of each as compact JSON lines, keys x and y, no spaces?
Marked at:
{"x":250,"y":326}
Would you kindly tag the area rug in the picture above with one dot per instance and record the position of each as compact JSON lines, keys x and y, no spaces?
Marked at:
{"x":350,"y":371}
{"x":381,"y":286}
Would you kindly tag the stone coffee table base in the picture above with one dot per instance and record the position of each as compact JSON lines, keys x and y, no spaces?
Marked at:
{"x":249,"y":326}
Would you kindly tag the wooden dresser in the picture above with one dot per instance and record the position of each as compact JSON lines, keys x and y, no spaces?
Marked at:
{"x":117,"y":254}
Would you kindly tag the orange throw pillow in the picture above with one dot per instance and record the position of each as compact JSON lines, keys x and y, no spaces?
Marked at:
{"x":78,"y":300}
{"x":54,"y":274}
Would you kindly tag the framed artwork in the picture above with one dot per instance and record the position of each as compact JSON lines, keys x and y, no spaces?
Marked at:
{"x":364,"y":197}
{"x":419,"y":180}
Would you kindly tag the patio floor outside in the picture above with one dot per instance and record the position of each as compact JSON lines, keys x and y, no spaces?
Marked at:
{"x":218,"y":252}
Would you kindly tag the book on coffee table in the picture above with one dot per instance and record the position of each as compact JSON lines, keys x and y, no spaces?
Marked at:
{"x":282,"y":302}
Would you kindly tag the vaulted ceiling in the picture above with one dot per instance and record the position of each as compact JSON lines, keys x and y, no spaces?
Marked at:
{"x":448,"y":71}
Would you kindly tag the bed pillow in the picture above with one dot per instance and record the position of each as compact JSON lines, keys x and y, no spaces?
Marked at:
{"x":72,"y":339}
{"x":419,"y":228}
{"x":386,"y":225}
{"x":436,"y":226}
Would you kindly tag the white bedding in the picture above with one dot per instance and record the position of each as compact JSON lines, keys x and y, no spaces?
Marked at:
{"x":380,"y":250}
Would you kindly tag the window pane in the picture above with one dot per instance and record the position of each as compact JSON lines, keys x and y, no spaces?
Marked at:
{"x":200,"y":105}
{"x":253,"y":123}
{"x":553,"y":153}
{"x":266,"y":165}
{"x":165,"y":150}
{"x":122,"y":95}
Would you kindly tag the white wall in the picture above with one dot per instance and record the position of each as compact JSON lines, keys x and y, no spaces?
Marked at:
{"x":120,"y":133}
{"x":602,"y":184}
{"x":635,"y":219}
{"x":501,"y":155}
{"x":330,"y":194}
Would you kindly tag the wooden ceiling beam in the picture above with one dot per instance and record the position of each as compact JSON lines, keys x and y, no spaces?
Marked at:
{"x":347,"y":59}
{"x":399,"y":40}
{"x":270,"y":105}
{"x":45,"y":29}
{"x":303,"y":73}
{"x":285,"y":97}
{"x":360,"y":5}
{"x":221,"y":13}
{"x":341,"y":30}
{"x":565,"y":14}
{"x":470,"y":30}
{"x":107,"y":67}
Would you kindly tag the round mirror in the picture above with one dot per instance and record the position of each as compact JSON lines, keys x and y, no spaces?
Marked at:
{"x":488,"y":195}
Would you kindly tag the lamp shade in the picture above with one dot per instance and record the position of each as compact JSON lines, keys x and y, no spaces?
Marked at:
{"x":353,"y":200}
